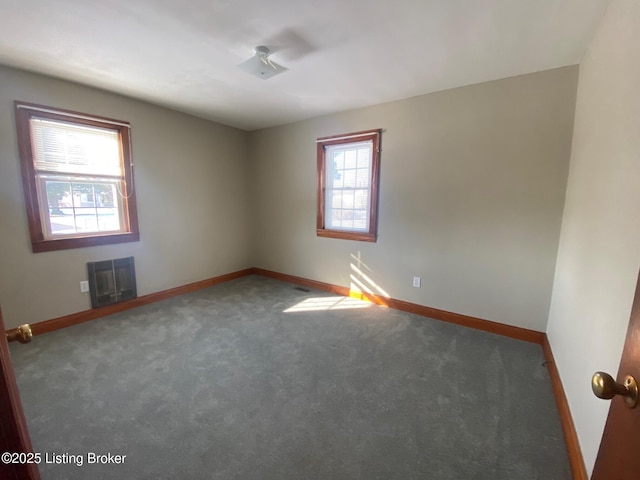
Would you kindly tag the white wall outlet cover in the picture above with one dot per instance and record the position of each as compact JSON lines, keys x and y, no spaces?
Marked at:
{"x":416,"y":281}
{"x":84,"y":286}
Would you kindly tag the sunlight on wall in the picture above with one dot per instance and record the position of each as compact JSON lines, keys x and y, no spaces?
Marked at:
{"x":327,"y":303}
{"x":361,"y":282}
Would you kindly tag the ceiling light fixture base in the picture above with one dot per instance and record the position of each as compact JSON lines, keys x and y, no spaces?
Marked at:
{"x":260,"y":65}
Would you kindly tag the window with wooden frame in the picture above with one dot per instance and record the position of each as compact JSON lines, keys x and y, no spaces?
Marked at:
{"x":348,"y":171}
{"x":77,"y":174}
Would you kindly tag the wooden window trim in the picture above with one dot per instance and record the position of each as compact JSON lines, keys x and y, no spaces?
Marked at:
{"x":322,"y":142}
{"x":24,"y":112}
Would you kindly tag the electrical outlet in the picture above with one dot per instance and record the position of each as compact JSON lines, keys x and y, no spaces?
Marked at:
{"x":416,"y":282}
{"x":84,"y":286}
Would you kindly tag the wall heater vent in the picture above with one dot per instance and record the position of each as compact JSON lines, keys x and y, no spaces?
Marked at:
{"x":112,"y":281}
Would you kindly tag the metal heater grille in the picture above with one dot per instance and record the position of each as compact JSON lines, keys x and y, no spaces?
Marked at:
{"x":112,"y":281}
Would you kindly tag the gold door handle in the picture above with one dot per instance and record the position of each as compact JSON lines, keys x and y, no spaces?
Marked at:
{"x":21,"y":334}
{"x":604,"y":386}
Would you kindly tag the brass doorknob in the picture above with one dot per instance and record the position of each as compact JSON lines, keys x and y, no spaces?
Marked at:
{"x":604,"y":386}
{"x":22,"y":334}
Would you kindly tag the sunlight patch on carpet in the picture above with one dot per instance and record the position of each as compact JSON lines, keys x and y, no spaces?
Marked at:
{"x":327,"y":303}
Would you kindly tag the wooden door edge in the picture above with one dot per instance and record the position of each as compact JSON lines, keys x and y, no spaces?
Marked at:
{"x":14,"y":436}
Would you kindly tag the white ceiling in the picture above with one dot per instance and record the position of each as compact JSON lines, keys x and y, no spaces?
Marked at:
{"x":341,"y":54}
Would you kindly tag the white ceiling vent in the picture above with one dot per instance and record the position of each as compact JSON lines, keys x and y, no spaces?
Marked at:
{"x":260,"y":65}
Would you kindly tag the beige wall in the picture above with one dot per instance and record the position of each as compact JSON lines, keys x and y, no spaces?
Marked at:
{"x":192,"y":202}
{"x":472,"y":189}
{"x":471,"y":197}
{"x":599,"y":252}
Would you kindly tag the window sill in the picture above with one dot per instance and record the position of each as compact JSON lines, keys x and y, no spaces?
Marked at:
{"x":81,"y":242}
{"x":346,"y":235}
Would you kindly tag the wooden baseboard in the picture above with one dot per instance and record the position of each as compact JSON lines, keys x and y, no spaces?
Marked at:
{"x":456,"y":318}
{"x":305,"y":282}
{"x":39,"y":328}
{"x":532,"y":336}
{"x":570,"y":436}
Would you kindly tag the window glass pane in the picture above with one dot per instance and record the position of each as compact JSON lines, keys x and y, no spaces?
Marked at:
{"x":71,"y":148}
{"x":350,"y":157}
{"x":86,"y":220}
{"x":105,"y":194}
{"x":336,"y":199}
{"x":364,"y":157}
{"x":338,"y":159}
{"x":58,"y":197}
{"x":363,"y":176}
{"x":79,"y":206}
{"x":83,"y":195}
{"x":337,"y":177}
{"x":108,"y":219}
{"x":347,"y":218}
{"x":360,"y":220}
{"x":336,"y":219}
{"x":347,"y":198}
{"x":350,"y":178}
{"x":63,"y":224}
{"x":361,"y":200}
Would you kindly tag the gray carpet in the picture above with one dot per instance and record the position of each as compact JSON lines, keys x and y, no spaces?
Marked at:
{"x":224,"y":384}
